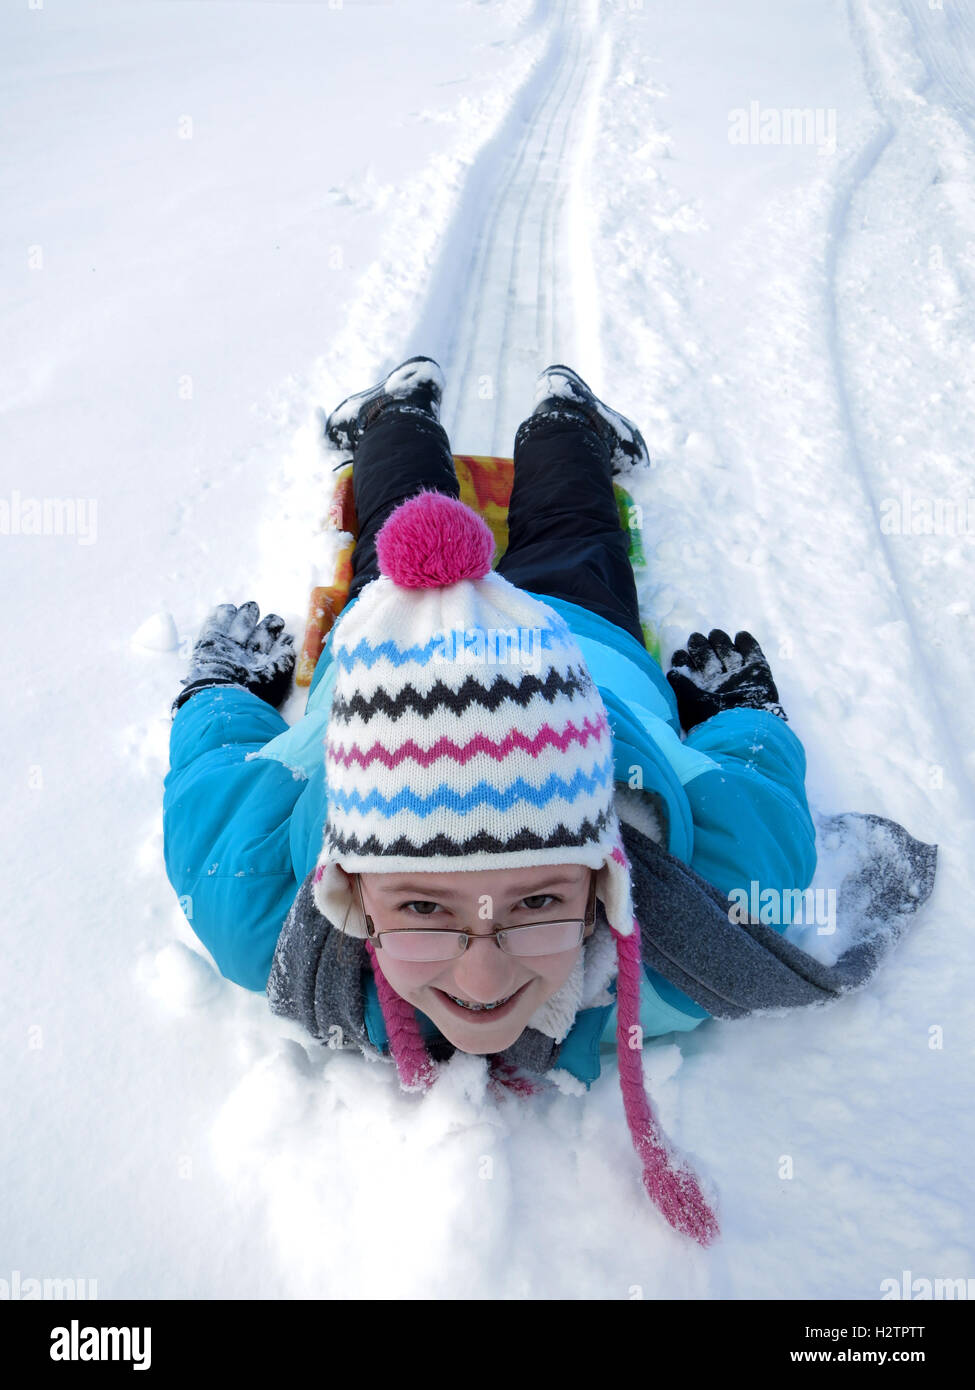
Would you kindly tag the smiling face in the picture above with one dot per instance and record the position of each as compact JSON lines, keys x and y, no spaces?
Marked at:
{"x":484,"y":974}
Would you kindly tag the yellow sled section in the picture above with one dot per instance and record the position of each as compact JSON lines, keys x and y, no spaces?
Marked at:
{"x":485,"y":486}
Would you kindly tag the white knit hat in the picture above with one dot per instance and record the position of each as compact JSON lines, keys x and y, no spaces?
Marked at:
{"x":465,"y":731}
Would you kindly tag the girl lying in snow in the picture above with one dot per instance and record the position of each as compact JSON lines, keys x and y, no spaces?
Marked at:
{"x":507,"y":848}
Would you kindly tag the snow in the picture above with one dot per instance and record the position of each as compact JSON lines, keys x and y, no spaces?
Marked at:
{"x":157,"y":634}
{"x":221,"y":216}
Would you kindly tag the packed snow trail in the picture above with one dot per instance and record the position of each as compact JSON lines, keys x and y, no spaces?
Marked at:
{"x":514,"y":304}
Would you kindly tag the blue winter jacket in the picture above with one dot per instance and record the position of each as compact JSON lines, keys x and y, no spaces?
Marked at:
{"x":244,"y":809}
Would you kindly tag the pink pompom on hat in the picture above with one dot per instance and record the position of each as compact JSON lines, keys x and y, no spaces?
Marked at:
{"x":466,"y":733}
{"x":434,"y":541}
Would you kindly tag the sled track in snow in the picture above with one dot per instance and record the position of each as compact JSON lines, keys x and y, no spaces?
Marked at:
{"x":945,"y":62}
{"x":859,"y":175}
{"x":504,"y":255}
{"x":509,"y":298}
{"x":536,"y":263}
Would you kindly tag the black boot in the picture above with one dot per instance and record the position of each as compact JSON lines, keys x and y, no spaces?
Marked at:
{"x":416,"y":384}
{"x":564,"y":534}
{"x":561,"y":391}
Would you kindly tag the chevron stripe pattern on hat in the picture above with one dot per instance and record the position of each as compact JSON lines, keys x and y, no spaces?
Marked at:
{"x":465,"y":730}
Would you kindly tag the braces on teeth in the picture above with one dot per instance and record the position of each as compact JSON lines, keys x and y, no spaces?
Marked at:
{"x":479,"y":1008}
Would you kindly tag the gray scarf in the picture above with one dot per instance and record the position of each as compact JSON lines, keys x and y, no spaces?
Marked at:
{"x":730,"y":968}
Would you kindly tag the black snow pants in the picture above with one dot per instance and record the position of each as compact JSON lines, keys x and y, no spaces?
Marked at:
{"x":564,"y":535}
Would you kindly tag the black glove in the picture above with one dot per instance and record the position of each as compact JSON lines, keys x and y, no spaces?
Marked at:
{"x":715,"y":673}
{"x":233,"y":648}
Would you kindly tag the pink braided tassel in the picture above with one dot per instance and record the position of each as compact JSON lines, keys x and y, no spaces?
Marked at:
{"x":416,"y":1067}
{"x":671,"y":1185}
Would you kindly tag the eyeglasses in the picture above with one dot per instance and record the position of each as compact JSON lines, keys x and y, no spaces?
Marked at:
{"x":446,"y":943}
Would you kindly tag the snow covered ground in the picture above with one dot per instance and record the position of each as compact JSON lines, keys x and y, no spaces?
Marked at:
{"x":220,"y":215}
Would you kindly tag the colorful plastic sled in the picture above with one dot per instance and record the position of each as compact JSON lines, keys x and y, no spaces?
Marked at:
{"x":485,"y":485}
